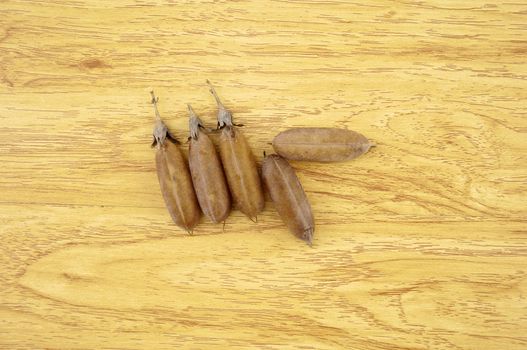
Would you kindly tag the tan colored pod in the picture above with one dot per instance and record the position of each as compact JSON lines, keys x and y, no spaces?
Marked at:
{"x":207,"y":173}
{"x":288,"y":196}
{"x":321,"y":144}
{"x":239,"y":164}
{"x":174,"y":177}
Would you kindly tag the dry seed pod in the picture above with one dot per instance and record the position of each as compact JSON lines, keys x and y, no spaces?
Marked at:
{"x":174,"y":177}
{"x":288,"y":196}
{"x":207,"y":173}
{"x":320,"y":144}
{"x":239,"y":164}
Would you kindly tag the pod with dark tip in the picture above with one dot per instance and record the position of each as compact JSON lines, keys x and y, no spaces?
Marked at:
{"x":174,"y":177}
{"x":239,"y":164}
{"x":321,"y":144}
{"x":288,"y":196}
{"x":207,"y":173}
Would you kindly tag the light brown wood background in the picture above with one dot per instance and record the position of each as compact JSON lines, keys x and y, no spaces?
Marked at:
{"x":420,"y":244}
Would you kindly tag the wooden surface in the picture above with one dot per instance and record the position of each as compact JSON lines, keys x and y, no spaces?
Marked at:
{"x":419,"y":244}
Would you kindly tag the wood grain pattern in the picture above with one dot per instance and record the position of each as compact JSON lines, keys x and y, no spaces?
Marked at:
{"x":420,"y":243}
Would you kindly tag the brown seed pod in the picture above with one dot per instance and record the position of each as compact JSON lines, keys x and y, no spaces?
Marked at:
{"x":207,"y":173}
{"x":320,"y":144}
{"x":239,"y":164}
{"x":288,"y":196}
{"x":174,"y":176}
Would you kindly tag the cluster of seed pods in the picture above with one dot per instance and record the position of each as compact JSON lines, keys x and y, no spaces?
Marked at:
{"x":215,"y":182}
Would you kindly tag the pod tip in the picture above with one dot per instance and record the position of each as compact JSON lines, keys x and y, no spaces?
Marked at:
{"x":308,"y":236}
{"x":367,"y":146}
{"x":190,"y":109}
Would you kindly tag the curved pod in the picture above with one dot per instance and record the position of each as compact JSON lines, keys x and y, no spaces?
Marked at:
{"x":321,"y":144}
{"x":174,"y":177}
{"x":207,"y":173}
{"x":239,"y":164}
{"x":289,"y":197}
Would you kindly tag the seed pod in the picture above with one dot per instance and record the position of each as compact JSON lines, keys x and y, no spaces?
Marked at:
{"x":207,"y":173}
{"x":174,"y":177}
{"x":320,"y":144}
{"x":239,"y":164}
{"x":288,"y":196}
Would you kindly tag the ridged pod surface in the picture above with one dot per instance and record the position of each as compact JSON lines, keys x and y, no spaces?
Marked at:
{"x":174,"y":177}
{"x":207,"y":173}
{"x":321,"y":144}
{"x":288,"y":196}
{"x":239,"y":164}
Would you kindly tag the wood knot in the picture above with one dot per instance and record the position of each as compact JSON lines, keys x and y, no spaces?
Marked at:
{"x":93,"y":63}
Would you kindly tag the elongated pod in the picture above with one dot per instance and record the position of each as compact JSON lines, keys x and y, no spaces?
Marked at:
{"x":288,"y":196}
{"x":320,"y":144}
{"x":239,"y":164}
{"x":207,"y":173}
{"x":174,"y":177}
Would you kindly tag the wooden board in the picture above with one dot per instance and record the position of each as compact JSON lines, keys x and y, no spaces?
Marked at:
{"x":420,"y":243}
